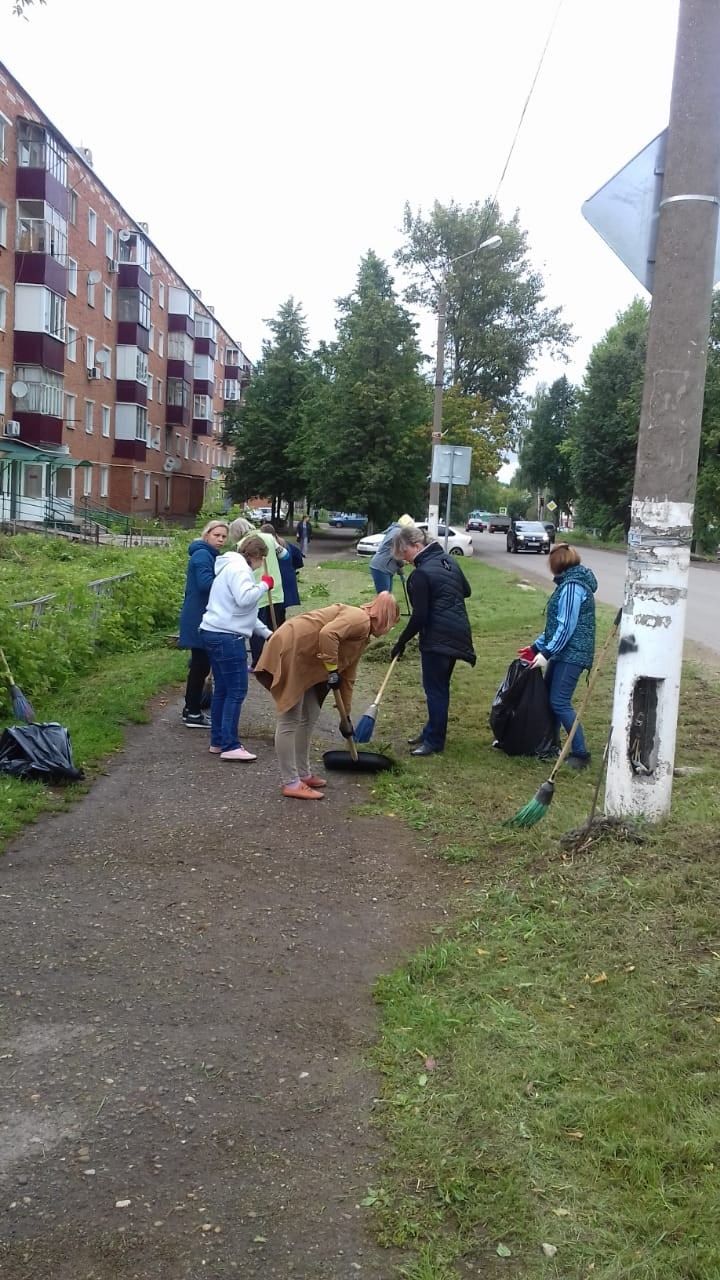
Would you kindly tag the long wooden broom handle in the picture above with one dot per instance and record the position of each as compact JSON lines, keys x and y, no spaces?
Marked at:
{"x":381,"y":690}
{"x":5,"y":667}
{"x":345,"y":721}
{"x":586,"y":696}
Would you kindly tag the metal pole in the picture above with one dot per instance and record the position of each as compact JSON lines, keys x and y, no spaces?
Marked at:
{"x":449,"y":497}
{"x":434,"y":503}
{"x":647,"y":686}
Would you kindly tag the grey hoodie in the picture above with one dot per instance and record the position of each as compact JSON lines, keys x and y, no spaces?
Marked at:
{"x":234,"y":597}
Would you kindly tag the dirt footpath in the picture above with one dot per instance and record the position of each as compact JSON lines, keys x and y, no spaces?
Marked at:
{"x":186,"y":1013}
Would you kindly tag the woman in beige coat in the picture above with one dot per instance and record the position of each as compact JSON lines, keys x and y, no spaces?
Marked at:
{"x":307,"y":656}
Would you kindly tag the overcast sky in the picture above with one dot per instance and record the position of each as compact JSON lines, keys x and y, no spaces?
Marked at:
{"x":270,"y":145}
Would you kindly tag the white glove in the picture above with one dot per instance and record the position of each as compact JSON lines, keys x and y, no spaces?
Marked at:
{"x":539,"y":661}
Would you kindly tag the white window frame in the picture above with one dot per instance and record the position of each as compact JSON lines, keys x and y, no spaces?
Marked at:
{"x":5,"y":124}
{"x":73,"y":210}
{"x":92,"y":226}
{"x":146,"y":486}
{"x":106,"y":367}
{"x":89,"y":352}
{"x":161,"y":344}
{"x":72,"y":276}
{"x":106,"y":420}
{"x":187,"y":446}
{"x":3,"y":308}
{"x":149,"y":386}
{"x":3,"y":389}
{"x":161,"y":294}
{"x":87,"y":481}
{"x":109,"y":242}
{"x":104,"y":481}
{"x":90,"y":293}
{"x":107,"y":302}
{"x":151,"y":338}
{"x":70,"y":422}
{"x":3,"y":226}
{"x":159,"y":390}
{"x":71,"y":344}
{"x":89,"y":418}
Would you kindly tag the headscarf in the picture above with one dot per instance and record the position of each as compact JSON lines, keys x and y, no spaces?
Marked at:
{"x":384,"y":612}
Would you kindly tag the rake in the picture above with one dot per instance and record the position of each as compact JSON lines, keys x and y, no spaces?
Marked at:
{"x":22,"y":706}
{"x":534,"y":811}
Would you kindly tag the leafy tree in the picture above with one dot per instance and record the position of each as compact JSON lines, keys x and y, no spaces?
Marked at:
{"x":359,"y":443}
{"x":472,"y":421}
{"x":707,"y":499}
{"x":19,"y":7}
{"x":605,"y":430}
{"x":545,"y":453}
{"x":264,"y":430}
{"x":497,"y":324}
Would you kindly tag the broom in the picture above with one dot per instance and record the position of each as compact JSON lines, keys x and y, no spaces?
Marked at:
{"x":22,"y":707}
{"x":534,"y":811}
{"x":366,"y":724}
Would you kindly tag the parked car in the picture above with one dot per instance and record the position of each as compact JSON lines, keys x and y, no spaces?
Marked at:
{"x":497,"y":523}
{"x":347,"y":520}
{"x":459,"y":544}
{"x":528,"y":535}
{"x":476,"y":520}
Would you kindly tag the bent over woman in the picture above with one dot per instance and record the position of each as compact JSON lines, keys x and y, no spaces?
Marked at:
{"x":305,"y":658}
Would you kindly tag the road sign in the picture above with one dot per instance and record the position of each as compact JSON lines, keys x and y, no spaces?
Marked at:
{"x":451,"y":464}
{"x":551,"y":506}
{"x":625,"y":211}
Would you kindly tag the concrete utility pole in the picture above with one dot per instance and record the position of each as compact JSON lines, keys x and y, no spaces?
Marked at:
{"x":647,"y":686}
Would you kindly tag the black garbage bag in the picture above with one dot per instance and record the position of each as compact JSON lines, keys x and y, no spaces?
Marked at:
{"x":39,"y":753}
{"x":520,"y":716}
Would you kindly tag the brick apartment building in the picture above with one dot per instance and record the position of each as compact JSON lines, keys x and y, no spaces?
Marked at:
{"x":114,"y":375}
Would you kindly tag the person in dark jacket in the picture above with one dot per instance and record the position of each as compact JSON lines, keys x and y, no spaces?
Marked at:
{"x":303,"y":534}
{"x":289,"y":569}
{"x":438,"y":589}
{"x":198,"y":581}
{"x":566,"y":647}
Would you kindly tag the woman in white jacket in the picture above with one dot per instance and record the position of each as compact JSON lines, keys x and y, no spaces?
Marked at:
{"x":230,"y":619}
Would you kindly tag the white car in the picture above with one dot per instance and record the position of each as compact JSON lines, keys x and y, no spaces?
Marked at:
{"x":459,"y":544}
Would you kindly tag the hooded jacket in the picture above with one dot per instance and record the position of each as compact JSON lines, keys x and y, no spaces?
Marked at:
{"x":198,"y":581}
{"x":234,"y":597}
{"x":272,"y":567}
{"x":569,"y":633}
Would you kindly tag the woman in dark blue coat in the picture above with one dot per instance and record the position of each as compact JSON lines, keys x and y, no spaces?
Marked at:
{"x":198,"y":581}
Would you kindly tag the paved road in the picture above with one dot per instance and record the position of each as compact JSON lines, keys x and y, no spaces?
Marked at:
{"x":703,"y":615}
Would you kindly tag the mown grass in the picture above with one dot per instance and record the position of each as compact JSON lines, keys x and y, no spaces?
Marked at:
{"x":551,"y":1059}
{"x":95,"y":708}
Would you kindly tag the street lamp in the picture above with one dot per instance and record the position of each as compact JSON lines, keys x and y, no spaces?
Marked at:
{"x":434,"y":504}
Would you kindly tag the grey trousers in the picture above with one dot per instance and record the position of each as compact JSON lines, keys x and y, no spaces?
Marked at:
{"x":293,"y":732}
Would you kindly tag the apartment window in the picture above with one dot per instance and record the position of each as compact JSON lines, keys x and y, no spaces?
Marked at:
{"x":64,"y":483}
{"x":107,"y":302}
{"x":167,"y":492}
{"x":194,"y":450}
{"x":151,"y":339}
{"x":40,"y":229}
{"x":134,"y":307}
{"x":69,"y":410}
{"x":3,"y":225}
{"x":161,"y":344}
{"x":202,"y":407}
{"x":150,"y":381}
{"x":232,"y":356}
{"x":73,"y":208}
{"x":141,"y":366}
{"x":109,"y":242}
{"x":72,"y":276}
{"x":90,"y":352}
{"x":4,"y":128}
{"x":40,"y":149}
{"x":44,"y":390}
{"x":159,"y":389}
{"x":54,"y":314}
{"x":3,"y":385}
{"x":177,"y":392}
{"x":168,"y":440}
{"x":180,"y":347}
{"x":135,"y":484}
{"x":92,"y":226}
{"x":89,"y":416}
{"x":104,"y":477}
{"x":141,"y":423}
{"x":105,"y":411}
{"x":146,"y":486}
{"x":161,"y":293}
{"x":178,"y":443}
{"x":3,"y":308}
{"x":105,"y":361}
{"x":87,"y":481}
{"x":71,"y":344}
{"x":187,"y":446}
{"x":90,"y":292}
{"x":205,"y":327}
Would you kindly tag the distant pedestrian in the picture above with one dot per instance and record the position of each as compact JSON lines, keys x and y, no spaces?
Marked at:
{"x":290,"y":567}
{"x":202,"y":553}
{"x":438,"y":589}
{"x":230,"y":619}
{"x":384,"y":564}
{"x":303,"y":534}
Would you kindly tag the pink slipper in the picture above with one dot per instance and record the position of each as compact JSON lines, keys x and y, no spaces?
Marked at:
{"x":237,"y":753}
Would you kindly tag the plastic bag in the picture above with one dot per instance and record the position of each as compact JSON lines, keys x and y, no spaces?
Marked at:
{"x":38,"y":753}
{"x":520,"y":716}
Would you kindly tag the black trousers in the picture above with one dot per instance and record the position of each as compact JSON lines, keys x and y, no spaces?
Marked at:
{"x":198,"y":672}
{"x":257,"y":642}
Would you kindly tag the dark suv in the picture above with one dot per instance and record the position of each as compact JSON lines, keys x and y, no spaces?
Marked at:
{"x":528,"y":535}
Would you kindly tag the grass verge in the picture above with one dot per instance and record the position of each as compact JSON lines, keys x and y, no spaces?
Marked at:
{"x":94,"y":707}
{"x":550,"y":1062}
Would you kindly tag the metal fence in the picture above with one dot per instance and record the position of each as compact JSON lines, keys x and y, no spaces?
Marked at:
{"x":101,"y":587}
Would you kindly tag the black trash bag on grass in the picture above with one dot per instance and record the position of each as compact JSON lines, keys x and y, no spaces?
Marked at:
{"x":520,"y":716}
{"x":38,"y":753}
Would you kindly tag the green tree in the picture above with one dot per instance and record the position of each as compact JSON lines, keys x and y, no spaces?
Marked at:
{"x":707,"y":499}
{"x":605,"y":430}
{"x":545,"y":453}
{"x":264,"y":429}
{"x":497,"y":323}
{"x":359,"y":443}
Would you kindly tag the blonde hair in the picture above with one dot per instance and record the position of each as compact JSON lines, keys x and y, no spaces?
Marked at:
{"x":214,"y":524}
{"x":384,"y":612}
{"x":253,"y":546}
{"x":409,"y":536}
{"x":562,"y":557}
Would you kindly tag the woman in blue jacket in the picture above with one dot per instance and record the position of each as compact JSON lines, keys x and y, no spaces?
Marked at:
{"x":566,"y":647}
{"x":198,"y":581}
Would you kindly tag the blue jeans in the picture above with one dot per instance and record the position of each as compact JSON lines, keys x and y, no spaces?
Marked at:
{"x":436,"y":672}
{"x":381,"y":579}
{"x":228,"y":659}
{"x":560,"y":681}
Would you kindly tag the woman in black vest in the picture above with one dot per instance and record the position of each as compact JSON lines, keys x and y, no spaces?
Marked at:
{"x":438,"y":589}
